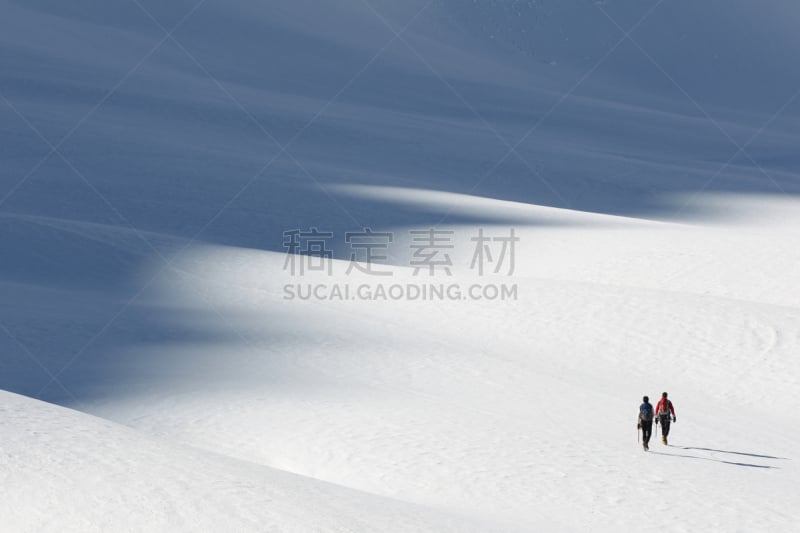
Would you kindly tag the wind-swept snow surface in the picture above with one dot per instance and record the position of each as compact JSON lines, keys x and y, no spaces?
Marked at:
{"x":154,"y":156}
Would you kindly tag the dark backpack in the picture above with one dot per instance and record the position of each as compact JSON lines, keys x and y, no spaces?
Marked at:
{"x":646,"y":411}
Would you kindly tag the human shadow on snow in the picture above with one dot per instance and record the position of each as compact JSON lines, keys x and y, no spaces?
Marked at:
{"x":750,"y":465}
{"x":735,"y":453}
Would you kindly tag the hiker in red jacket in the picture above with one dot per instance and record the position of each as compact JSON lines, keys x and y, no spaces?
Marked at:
{"x":663,"y":411}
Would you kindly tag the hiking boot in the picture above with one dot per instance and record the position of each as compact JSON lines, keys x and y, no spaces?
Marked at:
{"x":664,"y":439}
{"x":646,"y":447}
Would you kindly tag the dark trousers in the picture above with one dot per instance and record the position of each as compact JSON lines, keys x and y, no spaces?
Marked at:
{"x":647,"y":430}
{"x":664,"y":420}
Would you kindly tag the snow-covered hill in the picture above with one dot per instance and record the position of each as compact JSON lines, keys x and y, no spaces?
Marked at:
{"x":153,"y":155}
{"x":64,"y":470}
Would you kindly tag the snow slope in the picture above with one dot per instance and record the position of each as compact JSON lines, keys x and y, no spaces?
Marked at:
{"x":515,"y":414}
{"x":89,"y":474}
{"x":519,"y":410}
{"x":147,"y":178}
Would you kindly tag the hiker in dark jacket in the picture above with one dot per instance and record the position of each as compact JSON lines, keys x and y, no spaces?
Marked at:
{"x":664,"y":410}
{"x":645,"y":421}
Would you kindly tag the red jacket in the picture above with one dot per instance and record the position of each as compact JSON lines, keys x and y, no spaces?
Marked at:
{"x":664,"y":407}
